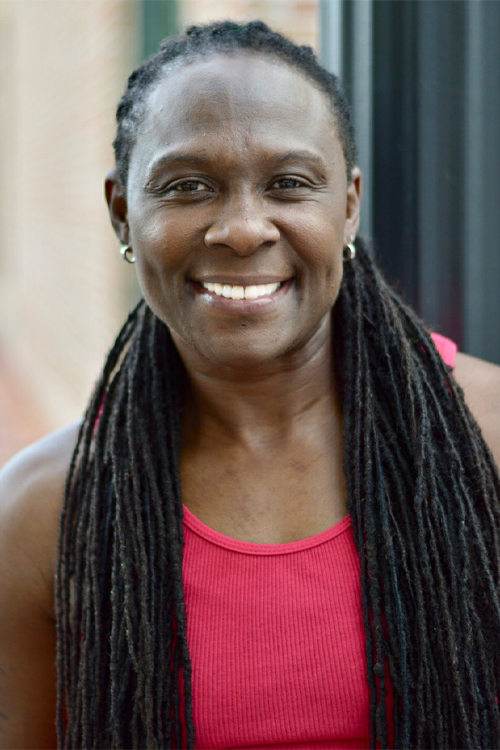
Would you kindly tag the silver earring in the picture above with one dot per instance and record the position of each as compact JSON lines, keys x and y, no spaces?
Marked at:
{"x":124,"y":250}
{"x":349,"y":252}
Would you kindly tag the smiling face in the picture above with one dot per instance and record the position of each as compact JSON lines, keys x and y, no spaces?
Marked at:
{"x":237,"y":182}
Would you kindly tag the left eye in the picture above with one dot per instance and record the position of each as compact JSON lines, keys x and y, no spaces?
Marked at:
{"x":287,"y":183}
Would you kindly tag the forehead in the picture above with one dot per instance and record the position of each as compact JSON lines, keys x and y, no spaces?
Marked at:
{"x":239,"y":99}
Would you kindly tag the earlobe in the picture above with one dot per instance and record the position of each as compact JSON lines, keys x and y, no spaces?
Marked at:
{"x":117,"y":205}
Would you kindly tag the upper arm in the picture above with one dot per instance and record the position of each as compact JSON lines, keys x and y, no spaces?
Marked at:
{"x":480,"y":382}
{"x":31,"y":493}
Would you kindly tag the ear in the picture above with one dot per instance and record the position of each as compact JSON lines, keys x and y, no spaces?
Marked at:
{"x":353,"y":206}
{"x":117,"y":205}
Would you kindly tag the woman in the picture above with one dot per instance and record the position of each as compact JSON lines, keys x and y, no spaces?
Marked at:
{"x":281,"y":520}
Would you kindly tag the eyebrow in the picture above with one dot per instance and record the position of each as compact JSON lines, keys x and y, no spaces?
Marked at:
{"x":302,"y":155}
{"x":180,"y":157}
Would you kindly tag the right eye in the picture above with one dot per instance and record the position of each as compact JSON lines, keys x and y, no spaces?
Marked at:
{"x":188,"y":186}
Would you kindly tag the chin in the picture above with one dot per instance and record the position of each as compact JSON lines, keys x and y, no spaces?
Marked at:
{"x":240,"y":355}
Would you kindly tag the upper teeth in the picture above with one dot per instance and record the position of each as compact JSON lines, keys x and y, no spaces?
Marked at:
{"x":241,"y":292}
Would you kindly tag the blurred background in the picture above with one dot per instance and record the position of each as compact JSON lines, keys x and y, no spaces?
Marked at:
{"x":424,"y":81}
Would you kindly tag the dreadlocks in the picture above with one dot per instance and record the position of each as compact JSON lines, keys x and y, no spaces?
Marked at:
{"x":423,"y":494}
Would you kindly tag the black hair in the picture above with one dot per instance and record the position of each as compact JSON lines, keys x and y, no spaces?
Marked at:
{"x":226,"y":37}
{"x":424,"y":498}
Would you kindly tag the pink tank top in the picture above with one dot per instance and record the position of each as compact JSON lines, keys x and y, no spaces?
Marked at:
{"x":276,"y":638}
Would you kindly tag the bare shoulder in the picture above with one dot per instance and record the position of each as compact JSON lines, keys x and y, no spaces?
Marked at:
{"x":480,"y":381}
{"x":31,"y":493}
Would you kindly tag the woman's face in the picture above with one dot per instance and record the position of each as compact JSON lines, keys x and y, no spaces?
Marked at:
{"x":237,"y":179}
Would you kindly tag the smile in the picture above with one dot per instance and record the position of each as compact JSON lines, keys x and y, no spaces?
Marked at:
{"x":241,"y":298}
{"x":242,"y":292}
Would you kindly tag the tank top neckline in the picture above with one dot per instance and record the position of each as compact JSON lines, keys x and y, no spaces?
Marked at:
{"x":257,"y":548}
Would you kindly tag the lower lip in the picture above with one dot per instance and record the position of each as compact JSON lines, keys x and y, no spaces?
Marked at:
{"x":261,"y":304}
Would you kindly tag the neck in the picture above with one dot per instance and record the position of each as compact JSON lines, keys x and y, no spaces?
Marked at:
{"x":281,"y":402}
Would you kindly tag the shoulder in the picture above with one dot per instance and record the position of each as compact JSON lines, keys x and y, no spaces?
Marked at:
{"x":480,"y":381}
{"x":31,"y":493}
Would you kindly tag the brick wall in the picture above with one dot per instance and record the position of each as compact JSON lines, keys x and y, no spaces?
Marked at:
{"x":64,"y":290}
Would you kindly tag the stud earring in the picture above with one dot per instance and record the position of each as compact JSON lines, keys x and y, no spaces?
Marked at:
{"x":124,"y":250}
{"x":349,"y":252}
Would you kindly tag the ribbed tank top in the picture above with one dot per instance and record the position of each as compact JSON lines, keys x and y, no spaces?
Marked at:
{"x":276,"y":638}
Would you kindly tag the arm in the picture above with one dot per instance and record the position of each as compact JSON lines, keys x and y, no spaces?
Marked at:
{"x":31,"y":492}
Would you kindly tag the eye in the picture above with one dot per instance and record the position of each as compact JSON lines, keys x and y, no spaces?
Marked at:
{"x":288,"y":183}
{"x":188,"y":186}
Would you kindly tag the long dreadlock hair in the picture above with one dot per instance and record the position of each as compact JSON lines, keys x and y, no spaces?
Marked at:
{"x":423,"y":494}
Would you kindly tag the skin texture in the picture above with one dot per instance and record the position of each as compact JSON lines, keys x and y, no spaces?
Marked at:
{"x":31,"y":492}
{"x":261,"y":386}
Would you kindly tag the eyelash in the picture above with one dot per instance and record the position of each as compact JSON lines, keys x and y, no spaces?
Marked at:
{"x":174,"y":188}
{"x":299,"y":184}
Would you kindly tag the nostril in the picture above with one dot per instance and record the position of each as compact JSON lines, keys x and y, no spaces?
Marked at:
{"x":243,"y":235}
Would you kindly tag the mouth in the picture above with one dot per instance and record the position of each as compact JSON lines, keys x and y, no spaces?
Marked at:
{"x":249,"y":296}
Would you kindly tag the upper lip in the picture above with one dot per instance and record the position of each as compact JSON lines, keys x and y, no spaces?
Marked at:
{"x":242,"y":280}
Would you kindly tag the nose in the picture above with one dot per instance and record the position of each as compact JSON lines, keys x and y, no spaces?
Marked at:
{"x":243,"y":227}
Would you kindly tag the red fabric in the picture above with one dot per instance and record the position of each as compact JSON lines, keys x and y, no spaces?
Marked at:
{"x":277,"y":641}
{"x":446,"y":348}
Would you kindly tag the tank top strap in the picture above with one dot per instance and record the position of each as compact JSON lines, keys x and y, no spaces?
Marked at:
{"x":447,"y":349}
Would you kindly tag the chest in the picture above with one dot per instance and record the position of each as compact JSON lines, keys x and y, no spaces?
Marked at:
{"x":278,"y":498}
{"x":277,"y":644}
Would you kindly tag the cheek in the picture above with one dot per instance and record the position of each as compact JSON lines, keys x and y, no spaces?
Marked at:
{"x":160,"y":250}
{"x":159,"y":273}
{"x":155,"y":244}
{"x":162,"y":297}
{"x":150,"y":282}
{"x":322,"y":249}
{"x":322,"y":259}
{"x":320,"y":225}
{"x":158,"y":234}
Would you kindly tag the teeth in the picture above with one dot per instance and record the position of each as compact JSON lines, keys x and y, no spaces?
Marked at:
{"x":238,"y":292}
{"x":241,"y":292}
